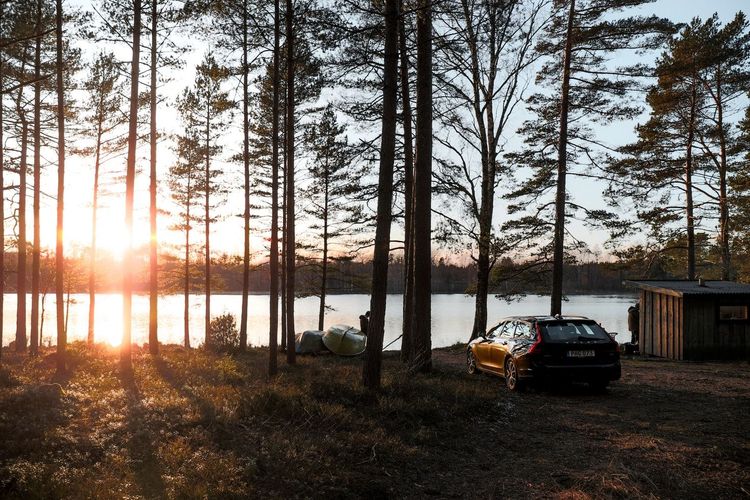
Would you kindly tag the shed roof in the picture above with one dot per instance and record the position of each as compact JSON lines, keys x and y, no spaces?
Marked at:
{"x":681,"y":288}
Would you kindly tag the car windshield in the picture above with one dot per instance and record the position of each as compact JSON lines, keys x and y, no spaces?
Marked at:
{"x":567,"y":331}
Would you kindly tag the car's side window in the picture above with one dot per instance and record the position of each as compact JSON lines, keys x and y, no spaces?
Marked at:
{"x":523,"y":331}
{"x":508,"y":328}
{"x":494,"y":332}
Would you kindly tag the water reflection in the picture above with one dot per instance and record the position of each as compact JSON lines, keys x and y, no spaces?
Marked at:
{"x":451,"y":322}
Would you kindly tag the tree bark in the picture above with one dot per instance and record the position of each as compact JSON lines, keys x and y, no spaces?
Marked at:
{"x":2,"y":198}
{"x":36,"y":250}
{"x":186,"y":314}
{"x":560,"y":198}
{"x":374,"y":350}
{"x":21,"y":259}
{"x":94,"y":206}
{"x":726,"y":257}
{"x":207,"y":215}
{"x":689,"y":182}
{"x":246,"y":164}
{"x":153,"y":315}
{"x":422,"y":342}
{"x":290,"y":233}
{"x":128,"y":261}
{"x":408,"y":321}
{"x":62,"y":338}
{"x":274,"y":259}
{"x":324,"y":271}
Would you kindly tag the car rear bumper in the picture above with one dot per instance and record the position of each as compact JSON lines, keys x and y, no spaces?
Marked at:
{"x":608,"y":371}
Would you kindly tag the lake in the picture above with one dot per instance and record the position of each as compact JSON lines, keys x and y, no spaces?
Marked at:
{"x":452,"y":315}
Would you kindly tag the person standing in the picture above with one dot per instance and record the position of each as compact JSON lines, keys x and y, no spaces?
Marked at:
{"x":634,"y":322}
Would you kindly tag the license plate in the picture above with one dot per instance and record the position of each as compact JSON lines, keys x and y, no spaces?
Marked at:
{"x":581,"y":354}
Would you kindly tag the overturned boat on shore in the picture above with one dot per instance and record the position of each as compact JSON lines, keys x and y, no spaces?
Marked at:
{"x":345,"y":340}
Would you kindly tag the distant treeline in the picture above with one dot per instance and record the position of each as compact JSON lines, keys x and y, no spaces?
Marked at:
{"x":346,"y":277}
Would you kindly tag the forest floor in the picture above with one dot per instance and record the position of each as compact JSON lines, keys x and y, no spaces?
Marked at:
{"x":196,"y":424}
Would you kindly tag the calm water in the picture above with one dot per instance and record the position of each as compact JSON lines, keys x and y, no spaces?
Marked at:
{"x":451,"y":321}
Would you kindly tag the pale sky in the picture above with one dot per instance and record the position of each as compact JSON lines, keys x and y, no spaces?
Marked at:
{"x":227,"y":234}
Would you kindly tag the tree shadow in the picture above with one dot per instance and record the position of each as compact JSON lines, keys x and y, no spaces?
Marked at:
{"x":145,"y":463}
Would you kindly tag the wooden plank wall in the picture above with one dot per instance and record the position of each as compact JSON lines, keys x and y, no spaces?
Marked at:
{"x":661,"y":325}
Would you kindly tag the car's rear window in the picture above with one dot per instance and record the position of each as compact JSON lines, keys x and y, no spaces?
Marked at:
{"x":567,"y":331}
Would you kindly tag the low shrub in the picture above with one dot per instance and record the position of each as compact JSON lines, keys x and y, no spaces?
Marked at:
{"x":223,"y":334}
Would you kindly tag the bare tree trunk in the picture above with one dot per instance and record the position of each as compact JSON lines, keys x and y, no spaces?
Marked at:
{"x":128,"y":261}
{"x":186,"y":314}
{"x":324,"y":277}
{"x":689,"y":184}
{"x":560,"y":198}
{"x":2,"y":198}
{"x":274,"y":260}
{"x":62,"y":338}
{"x":726,"y":257}
{"x":246,"y":163}
{"x":408,"y":321}
{"x":153,"y":296}
{"x":94,"y":207}
{"x":376,"y":328}
{"x":290,"y":230}
{"x":283,"y":255}
{"x":422,"y":342}
{"x":36,"y":250}
{"x":21,"y":260}
{"x":207,"y":215}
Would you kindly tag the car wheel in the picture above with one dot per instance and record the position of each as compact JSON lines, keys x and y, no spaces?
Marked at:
{"x":512,"y":380}
{"x":471,"y":362}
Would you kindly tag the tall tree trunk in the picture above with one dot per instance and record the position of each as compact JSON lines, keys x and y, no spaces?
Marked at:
{"x":2,"y":197}
{"x":36,"y":250}
{"x":376,"y":328}
{"x":726,"y":258}
{"x":290,"y":230}
{"x":128,"y":261}
{"x":62,"y":338}
{"x":207,"y":214}
{"x":408,"y":321}
{"x":153,"y":295}
{"x":21,"y":259}
{"x":422,"y":342}
{"x":689,"y":183}
{"x":283,"y":254}
{"x":324,"y":271}
{"x":94,"y":207}
{"x":274,"y":260}
{"x":186,"y":313}
{"x":560,"y":198}
{"x":246,"y":163}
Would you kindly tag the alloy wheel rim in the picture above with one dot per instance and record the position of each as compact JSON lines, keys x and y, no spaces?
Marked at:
{"x":511,"y":374}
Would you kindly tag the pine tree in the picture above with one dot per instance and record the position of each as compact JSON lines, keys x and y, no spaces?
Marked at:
{"x":582,"y":86}
{"x":204,"y":126}
{"x":330,"y":197}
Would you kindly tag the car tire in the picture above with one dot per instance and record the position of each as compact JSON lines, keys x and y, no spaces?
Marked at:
{"x":512,"y":380}
{"x":471,"y":363}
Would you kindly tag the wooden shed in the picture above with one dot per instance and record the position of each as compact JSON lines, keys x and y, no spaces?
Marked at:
{"x":694,"y":320}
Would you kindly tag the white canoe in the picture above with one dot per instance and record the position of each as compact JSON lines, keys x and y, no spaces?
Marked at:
{"x":345,"y":340}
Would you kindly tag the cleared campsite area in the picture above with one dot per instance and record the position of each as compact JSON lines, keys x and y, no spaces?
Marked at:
{"x":193,"y":423}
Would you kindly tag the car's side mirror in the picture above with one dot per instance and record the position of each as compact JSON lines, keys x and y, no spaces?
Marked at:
{"x":613,"y":335}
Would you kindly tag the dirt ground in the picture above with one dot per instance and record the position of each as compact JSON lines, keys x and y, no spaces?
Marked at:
{"x":666,"y":429}
{"x":192,"y":424}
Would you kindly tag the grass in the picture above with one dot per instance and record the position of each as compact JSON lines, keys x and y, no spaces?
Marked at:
{"x":194,"y":424}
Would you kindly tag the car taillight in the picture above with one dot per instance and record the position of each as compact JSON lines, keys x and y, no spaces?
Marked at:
{"x":538,"y":342}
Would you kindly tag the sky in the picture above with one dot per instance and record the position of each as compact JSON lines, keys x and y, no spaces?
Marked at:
{"x":227,"y":232}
